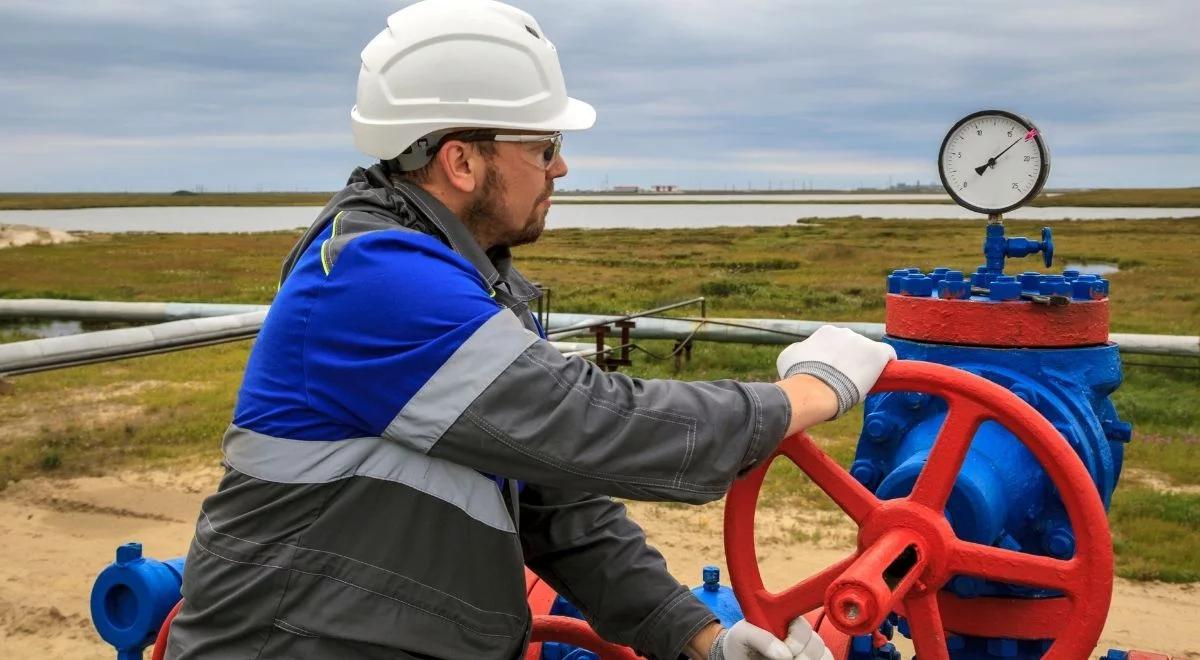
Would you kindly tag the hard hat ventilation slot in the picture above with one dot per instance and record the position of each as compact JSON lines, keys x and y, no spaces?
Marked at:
{"x":533,"y":32}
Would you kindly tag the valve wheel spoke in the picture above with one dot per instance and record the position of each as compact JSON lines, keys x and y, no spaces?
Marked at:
{"x":1011,"y":567}
{"x":925,"y":624}
{"x":809,"y":593}
{"x":851,"y":496}
{"x":1036,"y":618}
{"x":936,"y":480}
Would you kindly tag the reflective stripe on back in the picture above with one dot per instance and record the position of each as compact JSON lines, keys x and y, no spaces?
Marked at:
{"x":282,"y":460}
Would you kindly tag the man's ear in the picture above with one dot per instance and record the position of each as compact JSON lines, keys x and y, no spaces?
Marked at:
{"x":461,"y":164}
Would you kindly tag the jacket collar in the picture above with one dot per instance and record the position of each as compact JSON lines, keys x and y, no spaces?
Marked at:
{"x":373,"y":187}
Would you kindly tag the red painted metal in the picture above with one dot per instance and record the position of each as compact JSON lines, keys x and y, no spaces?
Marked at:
{"x":1074,"y":621}
{"x":578,"y":633}
{"x":164,"y":632}
{"x":1006,"y":324}
{"x":540,"y":597}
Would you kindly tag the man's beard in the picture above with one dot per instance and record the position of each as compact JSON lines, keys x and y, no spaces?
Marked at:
{"x":481,"y":215}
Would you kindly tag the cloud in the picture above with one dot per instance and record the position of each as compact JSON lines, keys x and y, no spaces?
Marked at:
{"x":711,"y":92}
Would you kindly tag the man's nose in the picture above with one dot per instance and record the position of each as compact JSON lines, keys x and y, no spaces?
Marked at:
{"x":558,"y":168}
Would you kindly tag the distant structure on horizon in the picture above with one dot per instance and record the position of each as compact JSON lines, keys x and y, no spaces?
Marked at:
{"x":626,"y":189}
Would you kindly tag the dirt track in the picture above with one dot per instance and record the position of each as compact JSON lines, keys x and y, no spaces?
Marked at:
{"x":58,"y":533}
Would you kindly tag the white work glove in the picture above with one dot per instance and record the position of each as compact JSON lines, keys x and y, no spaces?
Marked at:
{"x":842,"y":359}
{"x":746,"y":641}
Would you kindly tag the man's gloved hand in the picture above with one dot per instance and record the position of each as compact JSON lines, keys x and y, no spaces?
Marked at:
{"x":746,"y":641}
{"x":842,"y":359}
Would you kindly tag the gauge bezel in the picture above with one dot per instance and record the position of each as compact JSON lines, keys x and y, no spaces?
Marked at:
{"x":1043,"y":154}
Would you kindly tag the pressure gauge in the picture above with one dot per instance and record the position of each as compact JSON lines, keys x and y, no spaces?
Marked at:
{"x":993,"y":161}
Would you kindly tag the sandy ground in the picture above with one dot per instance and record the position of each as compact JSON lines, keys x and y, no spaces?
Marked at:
{"x":57,"y":534}
{"x":18,"y":235}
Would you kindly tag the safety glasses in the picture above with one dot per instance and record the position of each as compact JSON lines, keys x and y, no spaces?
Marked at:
{"x":542,"y":157}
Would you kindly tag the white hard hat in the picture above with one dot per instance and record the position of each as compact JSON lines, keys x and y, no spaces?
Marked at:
{"x":443,"y":64}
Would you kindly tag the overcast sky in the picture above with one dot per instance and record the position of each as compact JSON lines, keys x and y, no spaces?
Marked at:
{"x":136,"y":95}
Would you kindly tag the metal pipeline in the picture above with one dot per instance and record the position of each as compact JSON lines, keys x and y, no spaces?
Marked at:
{"x":734,"y":330}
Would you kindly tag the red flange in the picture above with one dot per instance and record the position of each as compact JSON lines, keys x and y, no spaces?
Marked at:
{"x":907,"y":550}
{"x":1007,"y":324}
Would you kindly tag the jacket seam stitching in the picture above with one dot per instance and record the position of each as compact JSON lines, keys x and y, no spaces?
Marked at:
{"x":357,"y":561}
{"x":687,"y":421}
{"x":652,"y":624}
{"x":498,"y":435}
{"x":352,"y":585}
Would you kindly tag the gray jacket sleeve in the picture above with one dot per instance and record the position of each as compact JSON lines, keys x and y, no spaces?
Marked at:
{"x":543,"y":418}
{"x":594,"y":555}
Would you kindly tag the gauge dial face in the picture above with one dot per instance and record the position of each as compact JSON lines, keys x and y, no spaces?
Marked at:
{"x":993,"y":161}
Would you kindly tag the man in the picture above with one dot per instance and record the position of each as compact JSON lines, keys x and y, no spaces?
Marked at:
{"x":405,"y":439}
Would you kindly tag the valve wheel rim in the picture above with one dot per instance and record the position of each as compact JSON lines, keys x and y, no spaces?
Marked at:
{"x":549,"y":628}
{"x":1085,"y":580}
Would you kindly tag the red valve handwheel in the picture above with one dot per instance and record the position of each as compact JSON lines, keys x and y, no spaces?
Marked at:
{"x":577,"y":632}
{"x":912,"y":536}
{"x":164,"y":632}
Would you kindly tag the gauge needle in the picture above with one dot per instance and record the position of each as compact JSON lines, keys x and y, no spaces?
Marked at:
{"x":992,"y":161}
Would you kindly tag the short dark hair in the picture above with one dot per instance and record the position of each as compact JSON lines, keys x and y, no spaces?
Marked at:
{"x":424,"y":173}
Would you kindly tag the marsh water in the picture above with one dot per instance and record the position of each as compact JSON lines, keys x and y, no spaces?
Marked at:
{"x":607,"y":214}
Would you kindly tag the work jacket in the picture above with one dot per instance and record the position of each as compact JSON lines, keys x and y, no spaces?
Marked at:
{"x":397,"y":373}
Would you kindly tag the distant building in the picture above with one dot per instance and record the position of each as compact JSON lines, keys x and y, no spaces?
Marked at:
{"x":665,"y":189}
{"x":626,"y":189}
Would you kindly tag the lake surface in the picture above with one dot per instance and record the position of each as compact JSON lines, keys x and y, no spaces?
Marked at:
{"x":197,"y":219}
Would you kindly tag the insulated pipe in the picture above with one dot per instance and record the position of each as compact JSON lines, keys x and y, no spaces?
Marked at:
{"x":786,"y":331}
{"x":138,"y":312}
{"x":105,"y":345}
{"x":747,"y":331}
{"x":55,"y":352}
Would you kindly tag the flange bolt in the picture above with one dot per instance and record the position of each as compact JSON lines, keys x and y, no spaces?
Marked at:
{"x":1030,"y":280}
{"x":953,"y":287}
{"x":1070,"y":275}
{"x":1081,"y":288}
{"x":918,"y":285}
{"x":1004,"y":288}
{"x":1054,"y":285}
{"x":879,"y":426}
{"x":895,"y":281}
{"x":1059,"y":542}
{"x":865,"y":473}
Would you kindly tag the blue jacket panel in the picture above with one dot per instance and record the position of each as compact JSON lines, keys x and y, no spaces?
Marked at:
{"x":341,"y":353}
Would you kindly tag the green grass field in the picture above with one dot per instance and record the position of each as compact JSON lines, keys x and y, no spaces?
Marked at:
{"x":1153,"y":197}
{"x":143,"y":411}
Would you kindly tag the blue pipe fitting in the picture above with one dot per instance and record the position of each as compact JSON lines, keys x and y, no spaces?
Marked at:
{"x":1030,"y":280}
{"x":132,"y":597}
{"x":996,"y":247}
{"x":918,"y":285}
{"x":953,"y":287}
{"x":1005,"y":287}
{"x":895,"y":281}
{"x":1054,"y":285}
{"x":1002,"y":496}
{"x":719,"y":598}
